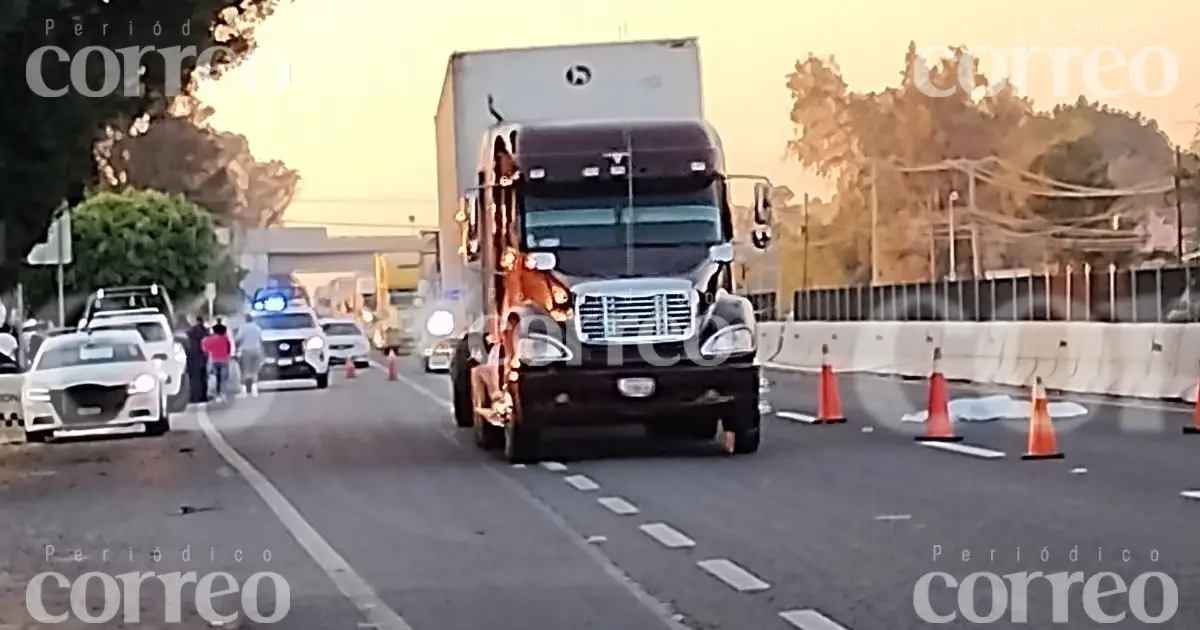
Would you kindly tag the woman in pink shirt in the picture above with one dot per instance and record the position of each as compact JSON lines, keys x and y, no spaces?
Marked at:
{"x":219,"y":348}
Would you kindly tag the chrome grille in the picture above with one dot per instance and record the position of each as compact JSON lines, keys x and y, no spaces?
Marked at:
{"x":633,"y":318}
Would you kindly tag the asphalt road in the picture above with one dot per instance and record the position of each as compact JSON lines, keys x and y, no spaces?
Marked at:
{"x":379,"y":513}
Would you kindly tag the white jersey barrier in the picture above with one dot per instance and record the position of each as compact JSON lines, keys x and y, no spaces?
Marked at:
{"x":1160,"y":361}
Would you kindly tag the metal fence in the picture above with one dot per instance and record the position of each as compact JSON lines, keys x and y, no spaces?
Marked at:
{"x":1164,"y":294}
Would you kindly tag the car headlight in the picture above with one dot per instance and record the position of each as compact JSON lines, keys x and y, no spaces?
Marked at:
{"x":37,"y":394}
{"x":538,"y":349}
{"x":314,"y":343}
{"x":440,"y":323}
{"x":180,"y":353}
{"x":143,"y":384}
{"x":731,"y":340}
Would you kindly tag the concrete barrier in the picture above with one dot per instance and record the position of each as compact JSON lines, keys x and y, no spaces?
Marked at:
{"x":1154,"y":361}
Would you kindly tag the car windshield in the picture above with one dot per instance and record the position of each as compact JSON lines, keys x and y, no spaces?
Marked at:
{"x":151,"y":332}
{"x":598,"y":214}
{"x":341,"y":329}
{"x":285,"y":321}
{"x":92,"y":352}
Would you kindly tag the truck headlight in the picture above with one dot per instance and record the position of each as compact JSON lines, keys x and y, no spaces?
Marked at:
{"x":314,"y":343}
{"x":143,"y":384}
{"x":536,"y":349}
{"x":440,"y":323}
{"x":730,"y":340}
{"x":180,"y":353}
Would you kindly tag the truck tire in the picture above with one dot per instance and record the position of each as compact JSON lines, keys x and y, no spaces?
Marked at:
{"x":747,"y":432}
{"x":460,"y":383}
{"x":522,"y":441}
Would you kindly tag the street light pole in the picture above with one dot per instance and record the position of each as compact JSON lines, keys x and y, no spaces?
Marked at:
{"x":953,"y":237}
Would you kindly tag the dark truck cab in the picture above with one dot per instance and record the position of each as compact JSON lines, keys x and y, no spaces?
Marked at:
{"x":604,"y":254}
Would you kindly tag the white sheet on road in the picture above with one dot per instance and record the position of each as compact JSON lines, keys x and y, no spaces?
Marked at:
{"x":998,"y":407}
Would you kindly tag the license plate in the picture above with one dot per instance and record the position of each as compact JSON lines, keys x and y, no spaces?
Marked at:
{"x":636,"y":387}
{"x":285,"y":362}
{"x":88,"y":411}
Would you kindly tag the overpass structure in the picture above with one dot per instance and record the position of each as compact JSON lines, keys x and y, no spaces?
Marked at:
{"x":280,"y":251}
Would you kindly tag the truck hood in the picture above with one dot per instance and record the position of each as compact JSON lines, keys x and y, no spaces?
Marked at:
{"x":689,"y":262}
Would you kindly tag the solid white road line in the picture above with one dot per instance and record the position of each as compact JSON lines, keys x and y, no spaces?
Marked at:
{"x":796,"y":417}
{"x":1191,"y":494}
{"x":618,"y":506}
{"x":894,"y":517}
{"x":667,"y":536}
{"x":554,"y":466}
{"x":809,"y":619}
{"x":965,"y":449}
{"x":372,"y":608}
{"x":582,"y":483}
{"x":733,"y":575}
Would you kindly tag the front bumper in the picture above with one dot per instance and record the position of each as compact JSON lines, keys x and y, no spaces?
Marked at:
{"x":48,"y":416}
{"x":339,"y":356}
{"x":276,"y":369}
{"x":583,"y":396}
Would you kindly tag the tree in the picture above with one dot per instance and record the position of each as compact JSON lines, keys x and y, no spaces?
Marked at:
{"x":138,"y":238}
{"x":183,"y":154}
{"x":45,"y":143}
{"x":842,"y":134}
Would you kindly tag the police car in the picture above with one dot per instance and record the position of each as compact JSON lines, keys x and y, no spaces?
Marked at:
{"x":294,"y":346}
{"x":154,"y":329}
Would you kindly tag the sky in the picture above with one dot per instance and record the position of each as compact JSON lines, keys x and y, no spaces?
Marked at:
{"x":345,"y":90}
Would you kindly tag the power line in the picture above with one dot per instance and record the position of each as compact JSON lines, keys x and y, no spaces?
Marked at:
{"x":365,"y":200}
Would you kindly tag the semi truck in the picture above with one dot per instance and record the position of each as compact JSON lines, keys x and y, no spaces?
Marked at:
{"x":587,"y":241}
{"x":397,"y":283}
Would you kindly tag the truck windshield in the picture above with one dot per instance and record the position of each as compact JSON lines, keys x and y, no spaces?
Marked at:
{"x":402,"y":298}
{"x":581,"y":215}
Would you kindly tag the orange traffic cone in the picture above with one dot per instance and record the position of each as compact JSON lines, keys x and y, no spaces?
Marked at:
{"x":829,"y":403}
{"x":1194,"y":427}
{"x":937,"y":424}
{"x":350,"y":372}
{"x":393,"y":371}
{"x":1042,"y":443}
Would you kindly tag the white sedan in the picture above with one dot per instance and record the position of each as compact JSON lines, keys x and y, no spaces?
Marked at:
{"x":86,"y":381}
{"x":347,"y":342}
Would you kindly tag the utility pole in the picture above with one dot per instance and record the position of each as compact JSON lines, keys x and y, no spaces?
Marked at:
{"x":974,"y":228}
{"x":874,"y":223}
{"x":930,"y":205}
{"x":1178,"y":204}
{"x":953,"y":273}
{"x":804,"y":268}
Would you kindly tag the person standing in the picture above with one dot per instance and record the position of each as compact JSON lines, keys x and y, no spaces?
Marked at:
{"x":219,"y":349}
{"x":250,"y":351}
{"x":197,"y":361}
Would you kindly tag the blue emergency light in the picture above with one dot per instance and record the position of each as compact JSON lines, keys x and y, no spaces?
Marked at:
{"x":270,"y":303}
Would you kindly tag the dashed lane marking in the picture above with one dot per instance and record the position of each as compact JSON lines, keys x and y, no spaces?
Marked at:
{"x":618,"y":506}
{"x":554,"y":466}
{"x":667,"y":536}
{"x":372,"y":608}
{"x":894,"y":517}
{"x":733,"y":575}
{"x":660,"y":609}
{"x":965,"y":449}
{"x":809,"y":619}
{"x":582,"y":483}
{"x":1191,"y":494}
{"x":797,"y":417}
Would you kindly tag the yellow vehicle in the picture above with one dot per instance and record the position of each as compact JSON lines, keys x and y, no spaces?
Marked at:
{"x":397,"y":281}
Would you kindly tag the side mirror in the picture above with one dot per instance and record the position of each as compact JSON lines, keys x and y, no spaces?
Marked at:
{"x":762,"y":203}
{"x":761,"y":237}
{"x":31,"y":323}
{"x":722,"y":253}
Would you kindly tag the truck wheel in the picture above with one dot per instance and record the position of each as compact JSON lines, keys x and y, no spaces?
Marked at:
{"x":747,"y":432}
{"x":323,"y":380}
{"x":460,"y":383}
{"x":522,"y":441}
